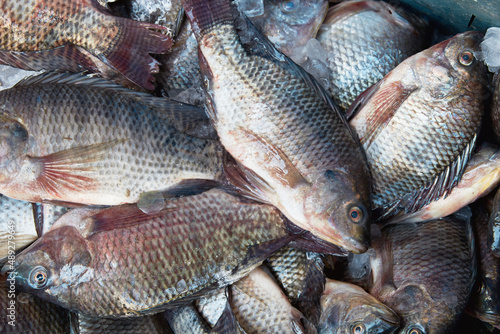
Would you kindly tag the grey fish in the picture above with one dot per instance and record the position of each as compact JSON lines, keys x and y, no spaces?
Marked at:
{"x":365,"y":40}
{"x":145,"y":325}
{"x":186,"y":320}
{"x":347,"y":308}
{"x":434,"y":99}
{"x":425,"y":272}
{"x":292,"y":147}
{"x":261,"y":306}
{"x":495,"y":105}
{"x":301,"y":276}
{"x":195,"y":244}
{"x":72,"y":138}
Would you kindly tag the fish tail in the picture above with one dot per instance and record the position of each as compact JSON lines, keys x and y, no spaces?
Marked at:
{"x":206,"y":14}
{"x":130,"y":54}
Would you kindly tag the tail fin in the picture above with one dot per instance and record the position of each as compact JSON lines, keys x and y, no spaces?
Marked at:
{"x":130,"y":55}
{"x":205,"y":14}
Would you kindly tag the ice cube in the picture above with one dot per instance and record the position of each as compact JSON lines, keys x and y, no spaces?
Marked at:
{"x":251,"y":8}
{"x":490,"y":48}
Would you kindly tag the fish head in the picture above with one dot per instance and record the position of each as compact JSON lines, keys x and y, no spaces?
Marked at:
{"x":452,"y":68}
{"x":51,"y":266}
{"x":419,"y":312}
{"x":291,"y":23}
{"x":485,"y":304}
{"x":348,"y":309}
{"x":13,"y":147}
{"x":336,"y":213}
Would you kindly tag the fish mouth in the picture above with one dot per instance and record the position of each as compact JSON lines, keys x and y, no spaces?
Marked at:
{"x":352,"y":244}
{"x":489,"y":317}
{"x":6,"y":268}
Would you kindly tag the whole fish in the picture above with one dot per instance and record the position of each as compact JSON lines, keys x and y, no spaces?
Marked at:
{"x":77,"y":139}
{"x":21,"y":313}
{"x":494,"y":226}
{"x":149,"y":263}
{"x":347,"y":308}
{"x":79,"y":35}
{"x":485,"y":302}
{"x":419,"y":124}
{"x":289,"y":24}
{"x":365,"y":40}
{"x":261,"y":306}
{"x":291,"y":145}
{"x":301,"y":276}
{"x":425,"y":272}
{"x":481,"y":175}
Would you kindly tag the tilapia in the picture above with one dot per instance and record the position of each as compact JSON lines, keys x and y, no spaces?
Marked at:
{"x":495,"y":106}
{"x":186,"y":320}
{"x":481,"y":176}
{"x":485,"y":302}
{"x":21,"y":313}
{"x":18,"y":226}
{"x":72,"y":138}
{"x":494,"y":226}
{"x":301,"y":276}
{"x":419,"y":124}
{"x":291,"y":145}
{"x":425,"y":272}
{"x":148,"y":263}
{"x":261,"y":306}
{"x":154,"y":324}
{"x":346,"y":308}
{"x":79,"y":35}
{"x":365,"y":40}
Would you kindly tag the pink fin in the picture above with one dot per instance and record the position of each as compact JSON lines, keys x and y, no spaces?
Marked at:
{"x":63,"y":171}
{"x":130,"y":55}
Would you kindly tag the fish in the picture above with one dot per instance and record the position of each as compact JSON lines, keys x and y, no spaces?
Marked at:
{"x":22,"y":313}
{"x":494,"y":225}
{"x":79,"y":35}
{"x":495,"y":106}
{"x":347,"y":308}
{"x":484,"y":303}
{"x":145,"y":325}
{"x":260,"y":306}
{"x":149,"y":263}
{"x":364,"y":41}
{"x":186,"y":319}
{"x":425,"y":272}
{"x":75,"y":139}
{"x":481,"y":176}
{"x":18,"y":225}
{"x":419,"y":124}
{"x":289,"y":24}
{"x":288,"y":143}
{"x":301,"y":276}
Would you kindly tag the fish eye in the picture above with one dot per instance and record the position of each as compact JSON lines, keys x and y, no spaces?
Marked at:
{"x":466,"y":58}
{"x":415,"y":330}
{"x":38,"y":277}
{"x":358,"y":328}
{"x":356,"y":214}
{"x":289,"y":5}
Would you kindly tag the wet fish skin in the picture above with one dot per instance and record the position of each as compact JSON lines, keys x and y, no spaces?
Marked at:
{"x":144,"y":325}
{"x":301,"y":276}
{"x":347,"y":308}
{"x":432,"y":99}
{"x":425,"y":272}
{"x":31,"y":314}
{"x":495,"y":105}
{"x":494,"y":226}
{"x":186,"y":319}
{"x":40,"y":29}
{"x":481,"y":175}
{"x":196,"y":244}
{"x":316,"y":176}
{"x":260,"y":306}
{"x":365,"y":40}
{"x":290,"y":24}
{"x":104,"y":157}
{"x":484,"y":302}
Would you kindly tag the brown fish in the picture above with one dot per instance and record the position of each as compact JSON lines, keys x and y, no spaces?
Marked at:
{"x":419,"y":124}
{"x":425,"y":272}
{"x":77,"y":139}
{"x":364,"y":41}
{"x":292,"y":146}
{"x":78,"y":35}
{"x":149,"y":263}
